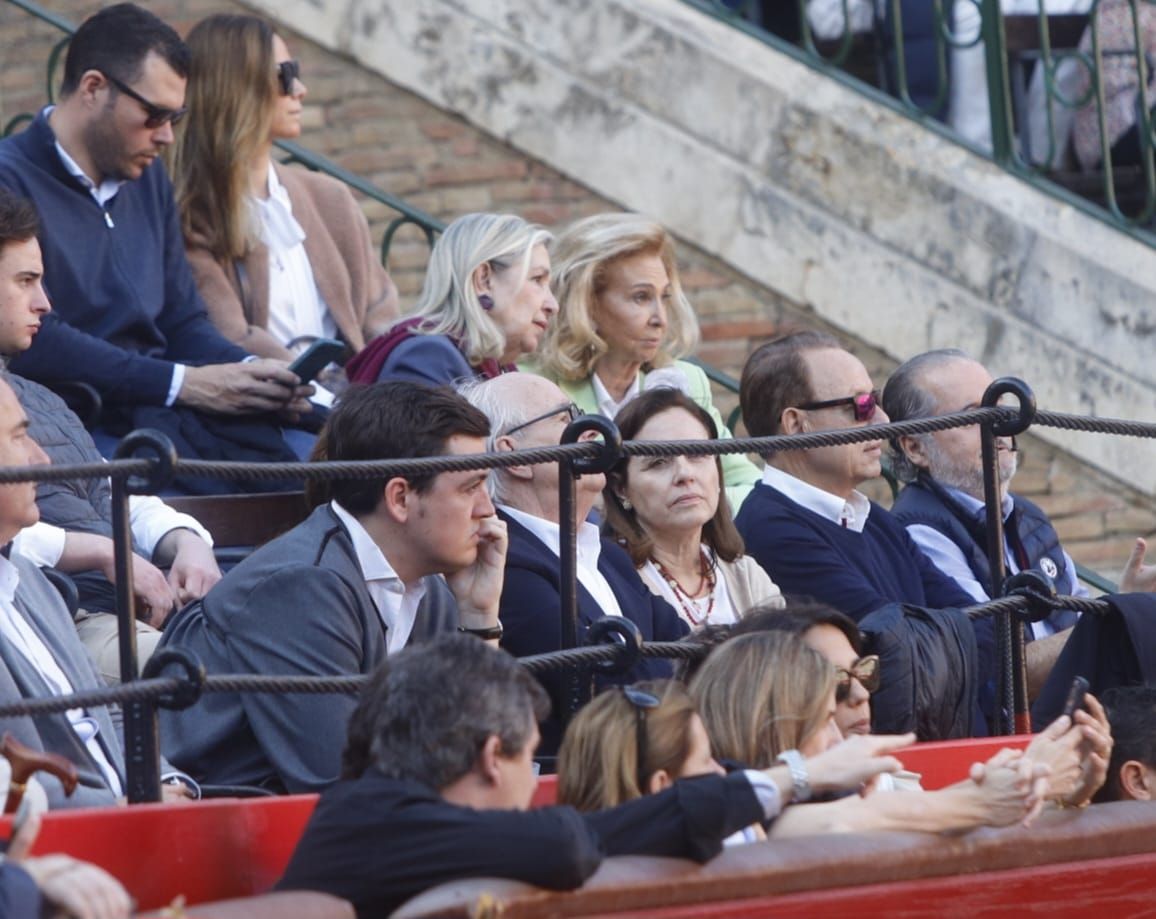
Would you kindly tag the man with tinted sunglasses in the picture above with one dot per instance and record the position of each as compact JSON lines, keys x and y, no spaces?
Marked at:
{"x":127,"y":318}
{"x":808,"y":524}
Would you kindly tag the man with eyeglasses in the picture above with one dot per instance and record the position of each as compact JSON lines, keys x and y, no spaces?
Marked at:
{"x":127,"y":317}
{"x":527,"y":411}
{"x":807,"y":523}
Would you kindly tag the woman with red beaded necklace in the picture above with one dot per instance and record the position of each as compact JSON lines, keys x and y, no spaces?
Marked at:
{"x":671,"y":514}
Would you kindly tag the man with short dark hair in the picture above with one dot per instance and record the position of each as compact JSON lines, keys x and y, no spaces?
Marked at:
{"x":129,"y":320}
{"x":385,"y":563}
{"x":438,"y":793}
{"x":75,"y":529}
{"x":1132,"y":768}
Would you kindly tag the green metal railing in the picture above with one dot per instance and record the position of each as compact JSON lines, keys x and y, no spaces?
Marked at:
{"x":293,"y":153}
{"x":1066,"y":50}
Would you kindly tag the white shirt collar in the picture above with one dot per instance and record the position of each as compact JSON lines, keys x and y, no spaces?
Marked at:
{"x":372,"y":561}
{"x":9,"y":580}
{"x":278,"y":228}
{"x":851,"y":513}
{"x":972,"y":505}
{"x":607,"y":404}
{"x":104,"y":192}
{"x":589,"y":539}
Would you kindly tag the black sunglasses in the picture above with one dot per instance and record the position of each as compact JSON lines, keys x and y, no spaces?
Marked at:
{"x":573,"y":413}
{"x":865,"y":670}
{"x":288,"y":72}
{"x":863,"y":404}
{"x":155,"y":115}
{"x":641,"y":701}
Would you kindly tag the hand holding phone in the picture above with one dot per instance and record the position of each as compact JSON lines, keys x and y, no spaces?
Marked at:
{"x":1075,"y":700}
{"x":316,"y":358}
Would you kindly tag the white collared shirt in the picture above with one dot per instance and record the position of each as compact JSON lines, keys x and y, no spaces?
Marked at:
{"x":296,"y":307}
{"x":851,"y":513}
{"x":102,"y":194}
{"x":607,"y":404}
{"x":396,"y":601}
{"x":589,"y":551}
{"x":16,"y":631}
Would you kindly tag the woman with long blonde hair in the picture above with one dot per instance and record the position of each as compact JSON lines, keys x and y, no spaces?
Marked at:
{"x":281,"y":255}
{"x":624,"y":324}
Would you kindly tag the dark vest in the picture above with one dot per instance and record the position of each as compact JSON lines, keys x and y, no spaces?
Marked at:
{"x":926,"y":502}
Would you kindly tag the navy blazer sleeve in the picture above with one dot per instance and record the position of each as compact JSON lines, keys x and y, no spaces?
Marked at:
{"x":430,"y":359}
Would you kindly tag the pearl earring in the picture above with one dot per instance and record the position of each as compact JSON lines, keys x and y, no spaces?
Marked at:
{"x":626,"y":504}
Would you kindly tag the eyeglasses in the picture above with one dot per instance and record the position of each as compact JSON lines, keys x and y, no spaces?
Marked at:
{"x":864,"y":404}
{"x":573,"y":413}
{"x":288,"y":72}
{"x":641,"y":701}
{"x":865,"y":670}
{"x":155,"y":115}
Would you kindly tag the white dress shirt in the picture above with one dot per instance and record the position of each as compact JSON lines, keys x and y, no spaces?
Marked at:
{"x":396,"y":601}
{"x":17,"y":632}
{"x":589,"y":551}
{"x":607,"y":404}
{"x":851,"y":513}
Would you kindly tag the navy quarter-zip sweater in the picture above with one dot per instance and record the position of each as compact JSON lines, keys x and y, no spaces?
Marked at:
{"x":124,"y":304}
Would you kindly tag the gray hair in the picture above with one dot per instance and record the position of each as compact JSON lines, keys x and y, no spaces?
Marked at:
{"x":503,"y":414}
{"x":426,"y":713}
{"x":905,"y":399}
{"x":448,"y":304}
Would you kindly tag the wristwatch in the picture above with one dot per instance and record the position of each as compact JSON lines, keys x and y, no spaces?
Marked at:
{"x":493,"y":633}
{"x":800,"y":783}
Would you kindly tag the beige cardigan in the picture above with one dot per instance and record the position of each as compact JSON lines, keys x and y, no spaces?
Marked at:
{"x":361,"y":297}
{"x":747,"y":583}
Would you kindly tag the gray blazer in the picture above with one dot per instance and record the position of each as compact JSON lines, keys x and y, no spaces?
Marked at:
{"x":40,"y":604}
{"x":299,"y":605}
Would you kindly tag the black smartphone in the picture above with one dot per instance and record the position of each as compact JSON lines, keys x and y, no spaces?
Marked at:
{"x":1075,"y":700}
{"x":316,"y":358}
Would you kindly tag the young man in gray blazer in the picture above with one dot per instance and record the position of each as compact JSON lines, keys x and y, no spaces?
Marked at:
{"x":379,"y":564}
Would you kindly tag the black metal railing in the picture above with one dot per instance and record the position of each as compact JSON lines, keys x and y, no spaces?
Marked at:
{"x":1045,"y":72}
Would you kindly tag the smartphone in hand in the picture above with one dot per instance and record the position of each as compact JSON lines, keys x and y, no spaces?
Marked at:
{"x":316,"y":358}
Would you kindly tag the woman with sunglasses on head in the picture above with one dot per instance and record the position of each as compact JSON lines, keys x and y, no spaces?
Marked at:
{"x":767,"y":697}
{"x":623,"y":324}
{"x":282,"y":256}
{"x":486,"y":302}
{"x":637,"y":740}
{"x":671,"y":515}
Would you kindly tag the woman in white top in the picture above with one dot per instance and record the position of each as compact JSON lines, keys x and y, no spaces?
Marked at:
{"x":672,"y":516}
{"x":280,"y":255}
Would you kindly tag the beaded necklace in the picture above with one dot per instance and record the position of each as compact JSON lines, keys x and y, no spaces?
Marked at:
{"x":685,"y":599}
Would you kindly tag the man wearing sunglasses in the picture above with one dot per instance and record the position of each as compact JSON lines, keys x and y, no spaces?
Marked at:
{"x":127,"y":317}
{"x":807,"y":523}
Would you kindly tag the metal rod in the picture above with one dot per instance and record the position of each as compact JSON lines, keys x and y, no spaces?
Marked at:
{"x":568,"y":556}
{"x":141,"y":747}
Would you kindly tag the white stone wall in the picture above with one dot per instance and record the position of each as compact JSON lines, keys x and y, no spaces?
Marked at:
{"x":897,"y":235}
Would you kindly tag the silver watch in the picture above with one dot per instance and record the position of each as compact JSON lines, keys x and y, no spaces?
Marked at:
{"x":800,"y":782}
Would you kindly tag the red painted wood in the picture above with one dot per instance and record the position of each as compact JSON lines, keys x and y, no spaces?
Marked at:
{"x":945,"y":762}
{"x":546,"y":793}
{"x":1120,"y":888}
{"x":207,"y":850}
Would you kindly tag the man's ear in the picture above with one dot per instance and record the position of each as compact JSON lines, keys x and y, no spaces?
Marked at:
{"x":659,"y":780}
{"x":90,"y":82}
{"x":396,"y":498}
{"x":487,"y":762}
{"x":1137,"y":781}
{"x":504,"y":444}
{"x":914,"y":448}
{"x":792,"y":421}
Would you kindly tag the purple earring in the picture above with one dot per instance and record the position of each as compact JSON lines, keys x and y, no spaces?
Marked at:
{"x":486,"y":301}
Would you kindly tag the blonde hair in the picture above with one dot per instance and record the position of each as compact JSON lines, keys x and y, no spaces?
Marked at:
{"x":448,"y":303}
{"x":231,"y":94}
{"x":581,"y":257}
{"x":598,"y":759}
{"x":761,"y":694}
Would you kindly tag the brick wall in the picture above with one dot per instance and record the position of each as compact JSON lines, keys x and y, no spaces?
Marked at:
{"x":441,"y":164}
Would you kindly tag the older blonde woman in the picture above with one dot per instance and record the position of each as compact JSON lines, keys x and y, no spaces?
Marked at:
{"x":280,"y":255}
{"x":486,"y":302}
{"x":623,"y":324}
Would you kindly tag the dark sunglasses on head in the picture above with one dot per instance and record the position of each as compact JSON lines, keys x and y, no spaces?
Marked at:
{"x":863,"y":404}
{"x":865,"y":670}
{"x":640,"y":700}
{"x":288,"y":72}
{"x":573,"y":412}
{"x":155,"y":115}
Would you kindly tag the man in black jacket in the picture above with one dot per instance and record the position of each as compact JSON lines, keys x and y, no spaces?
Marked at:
{"x":438,"y":776}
